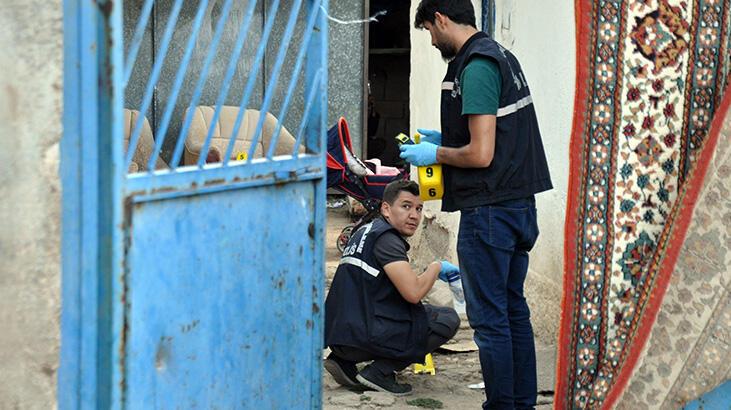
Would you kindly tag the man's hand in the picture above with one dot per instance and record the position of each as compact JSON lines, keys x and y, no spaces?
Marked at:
{"x":431,"y":136}
{"x":449,"y":272}
{"x":421,"y":154}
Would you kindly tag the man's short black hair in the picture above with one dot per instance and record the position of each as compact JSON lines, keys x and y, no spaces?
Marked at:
{"x":392,"y":189}
{"x":459,"y":11}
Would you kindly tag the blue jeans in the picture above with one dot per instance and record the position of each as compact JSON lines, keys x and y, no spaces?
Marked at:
{"x":493,"y":246}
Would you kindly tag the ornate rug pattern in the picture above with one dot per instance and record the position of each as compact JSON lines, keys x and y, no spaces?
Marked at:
{"x":650,"y":76}
{"x":688,"y":352}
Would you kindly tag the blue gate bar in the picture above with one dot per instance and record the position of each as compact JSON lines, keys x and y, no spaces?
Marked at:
{"x":251,"y":81}
{"x":317,"y":66}
{"x":137,"y":41}
{"x":72,"y":347}
{"x":274,"y":79}
{"x":179,"y":76}
{"x":318,"y":52}
{"x":110,"y":271}
{"x":215,"y":178}
{"x":101,"y":333}
{"x":292,"y":83}
{"x":91,"y":175}
{"x":89,"y":372}
{"x":312,"y":93}
{"x":156,"y":69}
{"x":240,"y":39}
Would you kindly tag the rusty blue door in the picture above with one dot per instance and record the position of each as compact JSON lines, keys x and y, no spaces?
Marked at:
{"x":193,"y":240}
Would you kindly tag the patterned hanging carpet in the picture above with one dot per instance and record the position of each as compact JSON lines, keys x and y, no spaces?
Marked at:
{"x":650,"y":77}
{"x":688,"y":352}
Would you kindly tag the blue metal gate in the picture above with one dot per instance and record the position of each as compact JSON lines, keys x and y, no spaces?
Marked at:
{"x":196,"y":284}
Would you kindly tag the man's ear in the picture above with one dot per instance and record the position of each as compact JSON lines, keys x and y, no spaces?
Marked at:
{"x":440,"y":20}
{"x":385,"y":209}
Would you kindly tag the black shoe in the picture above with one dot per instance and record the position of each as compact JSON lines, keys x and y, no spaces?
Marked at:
{"x":343,"y":371}
{"x":371,"y":377}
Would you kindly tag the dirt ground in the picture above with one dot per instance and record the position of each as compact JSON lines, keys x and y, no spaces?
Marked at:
{"x":448,"y":388}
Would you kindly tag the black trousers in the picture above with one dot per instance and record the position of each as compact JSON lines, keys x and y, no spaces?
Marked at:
{"x":443,"y":325}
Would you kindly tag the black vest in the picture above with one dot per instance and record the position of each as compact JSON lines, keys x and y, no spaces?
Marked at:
{"x":518,"y":168}
{"x":365,"y":310}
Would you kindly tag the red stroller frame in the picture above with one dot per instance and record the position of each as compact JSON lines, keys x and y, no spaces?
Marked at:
{"x":355,"y":178}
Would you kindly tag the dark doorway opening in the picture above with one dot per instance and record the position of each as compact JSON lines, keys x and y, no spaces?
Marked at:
{"x":388,"y":53}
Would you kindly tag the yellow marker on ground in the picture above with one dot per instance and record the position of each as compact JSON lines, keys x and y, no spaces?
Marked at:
{"x":242,"y":156}
{"x":427,"y":367}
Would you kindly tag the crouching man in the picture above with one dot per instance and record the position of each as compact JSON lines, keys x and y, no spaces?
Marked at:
{"x":374,"y":310}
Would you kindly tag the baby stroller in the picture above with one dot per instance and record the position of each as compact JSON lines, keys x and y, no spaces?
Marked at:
{"x":364,"y":181}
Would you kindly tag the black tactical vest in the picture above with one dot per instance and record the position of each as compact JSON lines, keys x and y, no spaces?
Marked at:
{"x":519,"y":168}
{"x":365,"y":310}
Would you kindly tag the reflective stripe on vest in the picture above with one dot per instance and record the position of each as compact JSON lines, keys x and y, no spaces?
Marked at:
{"x":512,"y":108}
{"x":361,"y":264}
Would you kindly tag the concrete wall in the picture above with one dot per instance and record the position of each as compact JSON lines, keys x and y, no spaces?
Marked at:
{"x":345,"y":90}
{"x":30,"y":130}
{"x":541,"y":34}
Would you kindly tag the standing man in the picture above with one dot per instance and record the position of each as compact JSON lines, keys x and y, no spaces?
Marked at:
{"x":374,"y":311}
{"x":493,"y":164}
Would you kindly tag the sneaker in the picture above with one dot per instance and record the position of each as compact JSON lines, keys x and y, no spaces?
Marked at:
{"x":343,"y":371}
{"x":371,"y":377}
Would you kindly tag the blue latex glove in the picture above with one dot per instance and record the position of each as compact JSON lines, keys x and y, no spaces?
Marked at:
{"x":449,"y":272}
{"x":421,"y":154}
{"x":432,"y":136}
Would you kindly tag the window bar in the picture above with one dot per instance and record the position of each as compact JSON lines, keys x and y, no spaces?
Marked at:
{"x":157,"y":67}
{"x":243,"y":32}
{"x":179,"y":76}
{"x":293,"y":82}
{"x":273,"y":80}
{"x":488,"y":17}
{"x":252,"y":79}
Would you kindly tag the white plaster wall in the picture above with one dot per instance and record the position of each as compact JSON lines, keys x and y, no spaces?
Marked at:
{"x":30,"y":130}
{"x":542,"y":35}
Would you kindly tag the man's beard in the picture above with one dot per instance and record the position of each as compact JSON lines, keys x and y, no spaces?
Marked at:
{"x":448,"y":51}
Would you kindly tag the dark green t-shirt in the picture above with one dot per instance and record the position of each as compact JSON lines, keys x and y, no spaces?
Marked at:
{"x":480,"y":83}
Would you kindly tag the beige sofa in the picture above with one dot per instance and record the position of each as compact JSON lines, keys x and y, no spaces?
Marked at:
{"x":145,"y":145}
{"x":222,"y":130}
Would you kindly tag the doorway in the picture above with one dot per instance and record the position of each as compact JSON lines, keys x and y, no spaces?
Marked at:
{"x":388,"y":57}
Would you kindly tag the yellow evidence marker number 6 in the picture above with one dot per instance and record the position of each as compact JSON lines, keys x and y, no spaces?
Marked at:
{"x":430,"y":177}
{"x":431,"y":186}
{"x":430,"y":182}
